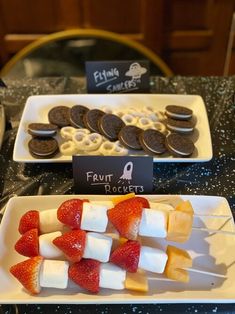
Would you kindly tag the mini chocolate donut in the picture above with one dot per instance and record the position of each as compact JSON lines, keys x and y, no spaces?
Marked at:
{"x":42,"y":129}
{"x":43,"y":147}
{"x":76,"y":116}
{"x":179,"y":145}
{"x":91,"y":119}
{"x":110,"y":125}
{"x":129,"y":137}
{"x":152,"y":141}
{"x":178,"y":112}
{"x":59,"y":116}
{"x":181,"y":126}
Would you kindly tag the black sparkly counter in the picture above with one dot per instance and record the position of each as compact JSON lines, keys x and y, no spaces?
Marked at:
{"x":215,"y":177}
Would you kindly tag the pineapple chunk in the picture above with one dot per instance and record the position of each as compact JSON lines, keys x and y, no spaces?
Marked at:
{"x":179,"y":226}
{"x":186,"y":207}
{"x":177,"y":260}
{"x":121,"y":198}
{"x":137,"y":281}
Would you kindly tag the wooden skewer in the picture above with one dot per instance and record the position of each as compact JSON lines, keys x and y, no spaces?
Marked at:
{"x":214,"y":230}
{"x":212,"y":216}
{"x":195,"y":270}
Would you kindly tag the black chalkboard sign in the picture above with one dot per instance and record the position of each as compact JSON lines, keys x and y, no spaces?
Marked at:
{"x":117,"y":76}
{"x":112,"y":174}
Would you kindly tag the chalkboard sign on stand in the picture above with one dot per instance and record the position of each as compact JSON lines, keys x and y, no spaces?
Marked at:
{"x":117,"y":76}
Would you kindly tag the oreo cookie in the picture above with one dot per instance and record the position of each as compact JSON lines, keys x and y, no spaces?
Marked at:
{"x":153,"y":141}
{"x":110,"y":125}
{"x":91,"y":119}
{"x":76,"y":116}
{"x":179,"y":145}
{"x":59,"y":116}
{"x":129,"y":137}
{"x":178,"y":112}
{"x":181,"y":126}
{"x":42,"y":129}
{"x":43,"y":147}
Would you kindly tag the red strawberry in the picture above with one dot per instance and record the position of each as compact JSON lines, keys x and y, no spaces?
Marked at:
{"x":70,"y":213}
{"x":29,"y":220}
{"x":27,"y":272}
{"x":72,"y":244}
{"x":143,"y":201}
{"x":86,"y":274}
{"x":126,"y":216}
{"x":127,"y":256}
{"x":28,"y":244}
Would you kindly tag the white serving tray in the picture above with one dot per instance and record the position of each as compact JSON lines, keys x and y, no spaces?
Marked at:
{"x":213,"y":252}
{"x":37,"y":108}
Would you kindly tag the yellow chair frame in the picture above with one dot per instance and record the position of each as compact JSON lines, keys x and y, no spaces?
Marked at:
{"x":150,"y":55}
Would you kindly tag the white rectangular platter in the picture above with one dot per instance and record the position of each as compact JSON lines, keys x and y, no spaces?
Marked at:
{"x":214,"y":252}
{"x":37,"y":108}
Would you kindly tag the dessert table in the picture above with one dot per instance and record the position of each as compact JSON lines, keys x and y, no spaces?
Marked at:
{"x":215,"y":177}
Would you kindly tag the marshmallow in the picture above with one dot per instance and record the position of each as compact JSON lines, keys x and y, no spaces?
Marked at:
{"x":46,"y":248}
{"x":98,"y":247}
{"x":49,"y":222}
{"x":152,"y":259}
{"x":54,"y":274}
{"x":153,"y":223}
{"x":94,"y":217}
{"x":112,"y":277}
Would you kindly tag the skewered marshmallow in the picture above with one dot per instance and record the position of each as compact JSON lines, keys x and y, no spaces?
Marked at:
{"x":112,"y":277}
{"x":94,"y":217}
{"x":54,"y":274}
{"x":48,"y":221}
{"x":98,"y":247}
{"x":46,"y":247}
{"x":153,"y":223}
{"x":152,"y":259}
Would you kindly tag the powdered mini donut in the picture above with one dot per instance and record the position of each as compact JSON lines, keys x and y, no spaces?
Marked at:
{"x":67,"y":132}
{"x":145,"y":123}
{"x":129,"y":119}
{"x":68,"y":148}
{"x":87,"y":142}
{"x":119,"y":150}
{"x":159,"y":126}
{"x":112,"y":149}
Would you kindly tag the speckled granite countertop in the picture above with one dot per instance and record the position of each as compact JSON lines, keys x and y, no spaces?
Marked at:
{"x":215,"y":177}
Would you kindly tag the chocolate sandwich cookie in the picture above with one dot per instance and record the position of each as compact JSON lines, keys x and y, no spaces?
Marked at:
{"x":181,"y":126}
{"x":76,"y":116}
{"x":42,"y":129}
{"x":110,"y":126}
{"x":59,"y":116}
{"x":43,"y":147}
{"x":178,"y":112}
{"x":179,"y":145}
{"x":129,"y":137}
{"x":153,"y":141}
{"x":91,"y":119}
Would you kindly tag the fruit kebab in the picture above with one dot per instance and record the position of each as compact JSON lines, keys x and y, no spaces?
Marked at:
{"x":131,"y":217}
{"x":37,"y":273}
{"x":77,"y":244}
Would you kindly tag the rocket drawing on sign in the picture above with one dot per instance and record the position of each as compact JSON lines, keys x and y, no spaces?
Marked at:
{"x":127,"y":173}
